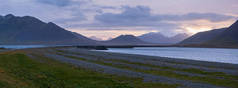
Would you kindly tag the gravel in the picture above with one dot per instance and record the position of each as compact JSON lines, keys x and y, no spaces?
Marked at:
{"x":158,"y":61}
{"x":123,"y":72}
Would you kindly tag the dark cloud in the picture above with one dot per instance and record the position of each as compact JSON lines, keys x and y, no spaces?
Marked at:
{"x":115,"y":25}
{"x":70,"y":9}
{"x":75,"y":16}
{"x":56,"y":2}
{"x":141,"y":15}
{"x":107,"y":7}
{"x":196,"y":16}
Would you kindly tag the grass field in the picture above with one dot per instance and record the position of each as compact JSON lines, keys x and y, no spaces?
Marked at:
{"x":17,"y":70}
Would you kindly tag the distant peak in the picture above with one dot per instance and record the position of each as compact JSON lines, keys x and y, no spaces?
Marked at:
{"x":51,"y":23}
{"x":127,"y":36}
{"x":29,"y":17}
{"x":234,"y":26}
{"x":9,"y":16}
{"x":155,"y":33}
{"x":236,"y":22}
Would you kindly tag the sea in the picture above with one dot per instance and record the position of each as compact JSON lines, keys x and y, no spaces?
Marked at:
{"x":22,"y":46}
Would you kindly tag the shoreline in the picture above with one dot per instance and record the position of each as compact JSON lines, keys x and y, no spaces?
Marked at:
{"x":96,"y":49}
{"x":147,"y":57}
{"x":149,"y":69}
{"x":172,"y":58}
{"x":105,"y":47}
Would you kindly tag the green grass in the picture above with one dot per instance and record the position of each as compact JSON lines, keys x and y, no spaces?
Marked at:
{"x":3,"y":84}
{"x":210,"y":78}
{"x":22,"y":72}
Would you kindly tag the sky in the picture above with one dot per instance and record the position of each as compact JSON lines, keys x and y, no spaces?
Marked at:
{"x":107,"y":19}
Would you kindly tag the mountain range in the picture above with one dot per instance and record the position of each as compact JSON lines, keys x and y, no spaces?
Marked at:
{"x":158,"y":38}
{"x":125,"y":40}
{"x":95,"y":38}
{"x":30,"y":30}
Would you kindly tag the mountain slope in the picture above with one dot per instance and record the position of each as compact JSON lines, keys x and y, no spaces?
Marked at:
{"x":84,"y":39}
{"x":203,"y":37}
{"x":125,"y":40}
{"x":178,"y":38}
{"x":227,"y":38}
{"x":95,"y":38}
{"x":154,"y":38}
{"x":161,"y":39}
{"x":30,"y":30}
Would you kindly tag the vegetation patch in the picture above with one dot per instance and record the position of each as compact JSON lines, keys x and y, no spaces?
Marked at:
{"x":53,"y":74}
{"x":227,"y":81}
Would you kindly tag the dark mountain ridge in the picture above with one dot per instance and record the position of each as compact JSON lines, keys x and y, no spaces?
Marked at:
{"x":228,"y":38}
{"x":224,"y":37}
{"x":203,"y":37}
{"x":30,"y":30}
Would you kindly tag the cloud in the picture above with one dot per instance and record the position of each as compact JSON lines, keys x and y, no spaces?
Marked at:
{"x":56,"y":2}
{"x":141,"y":15}
{"x":213,"y":17}
{"x":142,"y":18}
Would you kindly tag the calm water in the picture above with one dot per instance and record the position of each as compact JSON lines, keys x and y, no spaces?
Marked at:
{"x":203,"y":54}
{"x":21,"y":46}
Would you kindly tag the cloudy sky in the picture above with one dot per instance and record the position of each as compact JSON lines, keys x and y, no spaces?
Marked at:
{"x":110,"y":18}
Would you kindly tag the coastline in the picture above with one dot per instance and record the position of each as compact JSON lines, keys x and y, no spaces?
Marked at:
{"x":151,"y":69}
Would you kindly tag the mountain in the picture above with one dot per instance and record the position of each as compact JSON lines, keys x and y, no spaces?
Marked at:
{"x":154,"y":37}
{"x":84,"y":39}
{"x":178,"y":38}
{"x":227,"y":38}
{"x":203,"y":37}
{"x":158,"y":38}
{"x":224,"y":37}
{"x":125,"y":40}
{"x":30,"y":30}
{"x":96,"y":38}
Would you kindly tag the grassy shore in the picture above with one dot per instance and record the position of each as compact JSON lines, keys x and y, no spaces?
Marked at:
{"x":17,"y":70}
{"x":208,"y":77}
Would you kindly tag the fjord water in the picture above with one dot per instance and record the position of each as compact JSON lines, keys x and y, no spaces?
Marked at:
{"x":202,"y":54}
{"x":21,"y":46}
